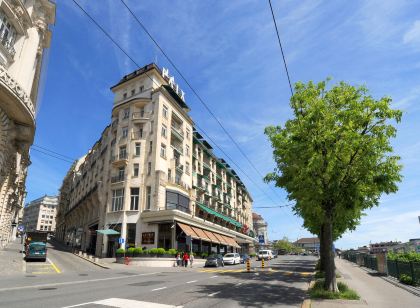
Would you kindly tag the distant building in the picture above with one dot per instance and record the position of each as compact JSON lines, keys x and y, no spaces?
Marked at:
{"x":382,"y":246}
{"x":24,"y":35}
{"x":308,"y":243}
{"x":39,"y":215}
{"x":260,"y":227}
{"x":410,"y":246}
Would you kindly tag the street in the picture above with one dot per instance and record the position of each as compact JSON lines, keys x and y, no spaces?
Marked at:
{"x":67,"y":281}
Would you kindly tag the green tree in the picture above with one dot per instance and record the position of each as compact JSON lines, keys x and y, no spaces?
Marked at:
{"x":284,"y":244}
{"x":334,"y":159}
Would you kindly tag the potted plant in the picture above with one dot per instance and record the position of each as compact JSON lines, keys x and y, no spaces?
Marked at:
{"x":130,"y":252}
{"x":119,"y":253}
{"x":137,"y":251}
{"x":171,"y":253}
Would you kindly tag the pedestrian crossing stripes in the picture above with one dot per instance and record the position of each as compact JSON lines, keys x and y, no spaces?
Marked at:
{"x":123,"y":303}
{"x":267,"y":271}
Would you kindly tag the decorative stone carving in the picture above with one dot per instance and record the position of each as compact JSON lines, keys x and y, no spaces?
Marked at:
{"x":15,"y":88}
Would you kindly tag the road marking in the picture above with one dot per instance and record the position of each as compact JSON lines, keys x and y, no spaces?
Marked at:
{"x":214,"y":276}
{"x":192,"y":281}
{"x":54,"y":266}
{"x":159,"y":289}
{"x":123,"y":302}
{"x":74,"y":282}
{"x":238,"y":284}
{"x":213,"y":294}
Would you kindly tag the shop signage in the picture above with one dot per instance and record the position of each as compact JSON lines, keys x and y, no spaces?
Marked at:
{"x":171,"y":81}
{"x":148,"y":238}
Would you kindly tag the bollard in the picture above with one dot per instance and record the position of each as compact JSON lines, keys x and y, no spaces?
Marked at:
{"x":248,"y":266}
{"x":262,"y":263}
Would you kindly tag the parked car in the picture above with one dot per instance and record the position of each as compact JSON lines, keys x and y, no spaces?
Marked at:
{"x":275,"y":254}
{"x":214,"y":260}
{"x":232,"y":258}
{"x":264,"y":254}
{"x":244,"y":258}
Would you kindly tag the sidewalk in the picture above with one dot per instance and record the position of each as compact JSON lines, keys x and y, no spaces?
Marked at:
{"x":373,"y":290}
{"x":11,"y":259}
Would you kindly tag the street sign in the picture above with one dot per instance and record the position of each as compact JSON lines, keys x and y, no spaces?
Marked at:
{"x":21,"y":228}
{"x":261,"y":239}
{"x":121,"y":240}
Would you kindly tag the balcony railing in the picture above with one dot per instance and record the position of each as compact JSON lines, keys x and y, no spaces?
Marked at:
{"x":117,"y":179}
{"x":178,"y":149}
{"x":122,"y":157}
{"x":178,"y":132}
{"x":137,"y":135}
{"x":141,"y":115}
{"x":9,"y":47}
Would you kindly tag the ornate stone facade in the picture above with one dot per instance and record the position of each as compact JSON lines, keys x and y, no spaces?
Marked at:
{"x":24,"y":29}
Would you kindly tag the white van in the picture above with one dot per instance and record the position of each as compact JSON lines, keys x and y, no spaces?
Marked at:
{"x":265,"y":254}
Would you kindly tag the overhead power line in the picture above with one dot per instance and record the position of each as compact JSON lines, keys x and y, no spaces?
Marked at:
{"x":62,"y":155}
{"x":133,"y":61}
{"x":51,"y":155}
{"x":281,"y":48}
{"x":272,"y":207}
{"x":194,"y":91}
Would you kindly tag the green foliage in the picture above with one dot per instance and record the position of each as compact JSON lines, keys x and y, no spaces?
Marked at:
{"x":160,"y":251}
{"x":204,"y":254}
{"x":153,"y":251}
{"x":171,"y":252}
{"x":406,"y":279}
{"x":404,"y":257}
{"x":252,"y":255}
{"x":285,"y":244}
{"x":138,"y":250}
{"x":131,"y":250}
{"x":334,"y":157}
{"x":120,"y":250}
{"x":317,"y":291}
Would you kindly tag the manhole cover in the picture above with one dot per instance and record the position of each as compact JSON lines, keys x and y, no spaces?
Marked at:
{"x":145,"y":283}
{"x":46,"y":289}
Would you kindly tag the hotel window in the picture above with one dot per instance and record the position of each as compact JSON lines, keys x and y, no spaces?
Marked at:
{"x":150,"y":147}
{"x":123,"y":153}
{"x":141,"y":89}
{"x":149,"y":168}
{"x":163,"y":150}
{"x":151,"y":127}
{"x":124,"y":95}
{"x":164,"y":130}
{"x":135,"y":170}
{"x":133,"y":92}
{"x":137,"y":149}
{"x":175,"y":200}
{"x":134,"y":204}
{"x":188,"y":133}
{"x":121,"y":172}
{"x":126,"y":113}
{"x":148,"y":197}
{"x":165,"y":112}
{"x":7,"y":34}
{"x":187,"y":150}
{"x":187,"y":167}
{"x":124,"y":132}
{"x":117,"y":200}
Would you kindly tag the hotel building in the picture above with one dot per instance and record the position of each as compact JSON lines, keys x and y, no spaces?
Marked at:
{"x":152,"y":180}
{"x":24,"y":35}
{"x":39,"y":214}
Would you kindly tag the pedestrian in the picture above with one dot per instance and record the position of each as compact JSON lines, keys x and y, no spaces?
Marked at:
{"x":191,"y":259}
{"x":185,"y":258}
{"x":178,"y":260}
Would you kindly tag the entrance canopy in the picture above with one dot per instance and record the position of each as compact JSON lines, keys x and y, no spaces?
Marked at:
{"x":108,"y":232}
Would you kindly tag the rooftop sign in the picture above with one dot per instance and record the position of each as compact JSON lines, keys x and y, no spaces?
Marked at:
{"x":171,"y":81}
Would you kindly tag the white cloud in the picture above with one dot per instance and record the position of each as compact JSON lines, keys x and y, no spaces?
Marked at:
{"x":412,"y":36}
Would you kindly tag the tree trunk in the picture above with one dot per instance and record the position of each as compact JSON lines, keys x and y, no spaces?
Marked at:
{"x":322,"y":249}
{"x":330,"y":280}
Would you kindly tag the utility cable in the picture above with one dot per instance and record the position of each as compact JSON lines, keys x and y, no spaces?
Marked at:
{"x":45,"y":149}
{"x":57,"y":157}
{"x":281,"y":48}
{"x":195,"y":92}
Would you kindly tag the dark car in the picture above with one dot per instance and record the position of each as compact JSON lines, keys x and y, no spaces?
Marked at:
{"x":244,"y":258}
{"x":214,"y":260}
{"x":275,"y":254}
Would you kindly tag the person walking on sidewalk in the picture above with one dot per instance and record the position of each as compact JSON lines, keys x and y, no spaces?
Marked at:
{"x":185,"y":258}
{"x":191,"y":259}
{"x":178,"y":260}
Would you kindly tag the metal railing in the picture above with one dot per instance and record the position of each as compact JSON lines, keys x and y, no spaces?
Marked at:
{"x":178,"y":131}
{"x":141,"y":115}
{"x":117,"y":179}
{"x":121,"y":156}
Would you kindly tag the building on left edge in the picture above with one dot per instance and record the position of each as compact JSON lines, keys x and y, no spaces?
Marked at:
{"x":24,"y":35}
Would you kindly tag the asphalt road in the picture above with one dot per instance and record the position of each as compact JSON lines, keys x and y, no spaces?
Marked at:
{"x":77,"y":283}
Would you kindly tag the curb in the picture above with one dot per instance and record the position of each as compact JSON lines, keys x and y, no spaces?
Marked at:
{"x":93,"y":262}
{"x":306,"y":304}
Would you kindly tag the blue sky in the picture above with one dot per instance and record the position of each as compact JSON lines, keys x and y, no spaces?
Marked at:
{"x":229,"y":52}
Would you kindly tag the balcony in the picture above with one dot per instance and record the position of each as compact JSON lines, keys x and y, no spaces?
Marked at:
{"x":137,"y":135}
{"x":121,"y":159}
{"x":140,"y":116}
{"x":178,"y":149}
{"x":8,"y":47}
{"x":177,"y":132}
{"x":117,"y":179}
{"x":114,"y":124}
{"x":179,"y":167}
